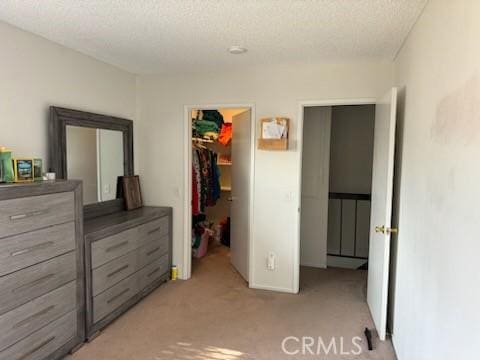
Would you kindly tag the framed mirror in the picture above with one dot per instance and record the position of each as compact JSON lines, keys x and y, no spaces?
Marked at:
{"x":94,"y":148}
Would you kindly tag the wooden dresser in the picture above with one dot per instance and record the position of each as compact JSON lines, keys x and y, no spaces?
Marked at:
{"x":127,"y":255}
{"x":42,"y":312}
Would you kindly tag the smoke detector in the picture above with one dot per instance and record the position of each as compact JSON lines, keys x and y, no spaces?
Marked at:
{"x":236,"y":50}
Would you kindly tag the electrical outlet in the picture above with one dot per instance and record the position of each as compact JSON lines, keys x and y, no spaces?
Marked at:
{"x":271,"y":261}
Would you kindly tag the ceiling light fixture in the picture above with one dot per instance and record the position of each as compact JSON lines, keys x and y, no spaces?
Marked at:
{"x":236,"y":50}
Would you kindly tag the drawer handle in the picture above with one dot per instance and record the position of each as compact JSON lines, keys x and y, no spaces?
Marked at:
{"x":29,"y":214}
{"x":32,"y":248}
{"x":117,"y":246}
{"x":153,"y":251}
{"x":153,"y":272}
{"x":154,"y":230}
{"x":31,"y":317}
{"x":118,"y":270}
{"x":118,"y":295}
{"x":34,"y":282}
{"x":36,"y":348}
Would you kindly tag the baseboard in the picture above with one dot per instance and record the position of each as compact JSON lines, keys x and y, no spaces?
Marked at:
{"x":318,"y":266}
{"x":392,"y":338}
{"x":344,"y":262}
{"x":271,"y":288}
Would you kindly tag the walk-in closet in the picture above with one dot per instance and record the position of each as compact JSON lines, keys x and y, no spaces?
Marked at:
{"x":216,"y":177}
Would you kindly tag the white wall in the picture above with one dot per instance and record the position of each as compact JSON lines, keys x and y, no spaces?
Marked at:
{"x":351,"y":156}
{"x":110,"y":157}
{"x":274,"y":91}
{"x":437,"y":279}
{"x":317,"y":124}
{"x":36,"y":73}
{"x":82,"y":160}
{"x":351,"y":161}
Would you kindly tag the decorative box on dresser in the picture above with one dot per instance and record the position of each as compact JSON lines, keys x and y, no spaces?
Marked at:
{"x":42,"y":298}
{"x":128,"y":254}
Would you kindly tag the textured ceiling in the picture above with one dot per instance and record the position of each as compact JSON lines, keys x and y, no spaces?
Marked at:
{"x":158,"y":36}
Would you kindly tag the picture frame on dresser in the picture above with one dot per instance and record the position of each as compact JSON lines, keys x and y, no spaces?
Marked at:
{"x":23,"y":170}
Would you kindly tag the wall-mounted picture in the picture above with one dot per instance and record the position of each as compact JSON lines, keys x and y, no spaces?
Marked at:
{"x":23,"y":169}
{"x":37,"y":169}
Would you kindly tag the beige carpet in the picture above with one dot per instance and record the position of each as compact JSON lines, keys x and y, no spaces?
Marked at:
{"x":214,"y":316}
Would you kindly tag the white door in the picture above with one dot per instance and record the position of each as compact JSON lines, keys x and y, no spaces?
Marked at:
{"x":381,"y":211}
{"x":240,"y":205}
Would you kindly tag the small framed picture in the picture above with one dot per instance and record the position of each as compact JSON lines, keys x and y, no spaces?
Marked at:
{"x":129,"y":188}
{"x":37,"y":169}
{"x":23,"y":169}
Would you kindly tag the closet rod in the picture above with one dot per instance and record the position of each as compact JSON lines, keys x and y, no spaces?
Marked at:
{"x":203,"y":140}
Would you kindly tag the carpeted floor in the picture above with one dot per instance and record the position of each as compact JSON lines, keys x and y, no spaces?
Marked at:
{"x":214,"y":316}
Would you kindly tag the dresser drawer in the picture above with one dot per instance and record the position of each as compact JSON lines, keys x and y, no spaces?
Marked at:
{"x":34,"y":315}
{"x":110,"y":299}
{"x":29,"y":283}
{"x":153,"y":250}
{"x":154,"y":271}
{"x":44,"y":342}
{"x":111,"y":273}
{"x":31,"y":213}
{"x":153,"y":230}
{"x":19,"y":251}
{"x":109,"y":248}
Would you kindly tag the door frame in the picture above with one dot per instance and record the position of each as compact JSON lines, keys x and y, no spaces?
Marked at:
{"x":301,"y":112}
{"x":187,"y":203}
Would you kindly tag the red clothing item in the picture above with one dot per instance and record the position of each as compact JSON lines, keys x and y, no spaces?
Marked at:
{"x":225,"y":134}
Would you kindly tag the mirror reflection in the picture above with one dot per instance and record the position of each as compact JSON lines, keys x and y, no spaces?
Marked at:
{"x":95,"y":156}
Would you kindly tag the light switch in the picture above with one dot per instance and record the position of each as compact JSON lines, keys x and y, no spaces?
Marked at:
{"x":271,"y":261}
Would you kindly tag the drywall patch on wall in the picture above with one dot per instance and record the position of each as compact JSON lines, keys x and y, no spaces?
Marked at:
{"x":457,"y":119}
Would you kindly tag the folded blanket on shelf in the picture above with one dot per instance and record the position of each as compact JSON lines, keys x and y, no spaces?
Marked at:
{"x":213,"y":115}
{"x":205,"y":126}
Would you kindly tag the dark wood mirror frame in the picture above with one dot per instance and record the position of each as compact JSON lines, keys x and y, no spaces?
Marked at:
{"x":59,"y":119}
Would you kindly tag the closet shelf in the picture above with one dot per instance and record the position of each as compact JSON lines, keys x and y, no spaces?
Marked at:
{"x":224,"y":163}
{"x":226,"y":188}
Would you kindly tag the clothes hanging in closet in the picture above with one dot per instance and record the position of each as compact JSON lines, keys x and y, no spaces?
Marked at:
{"x":205,"y":180}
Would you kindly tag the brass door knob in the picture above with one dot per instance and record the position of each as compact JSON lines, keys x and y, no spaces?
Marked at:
{"x":383,"y":230}
{"x":392,"y":231}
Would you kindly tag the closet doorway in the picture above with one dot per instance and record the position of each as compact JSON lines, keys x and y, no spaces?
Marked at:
{"x":219,"y":187}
